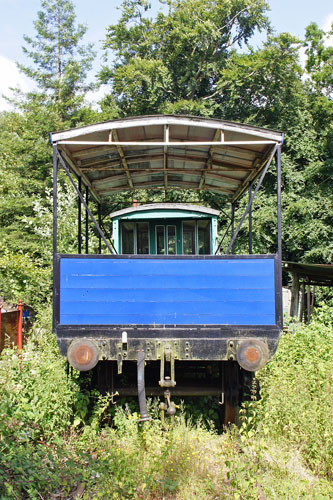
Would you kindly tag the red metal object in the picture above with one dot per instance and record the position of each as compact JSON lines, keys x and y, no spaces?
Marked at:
{"x":19,"y":325}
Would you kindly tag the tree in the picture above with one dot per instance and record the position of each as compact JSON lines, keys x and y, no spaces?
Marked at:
{"x":173,"y":61}
{"x":186,"y":61}
{"x":319,"y":59}
{"x":60,"y":68}
{"x":60,"y":62}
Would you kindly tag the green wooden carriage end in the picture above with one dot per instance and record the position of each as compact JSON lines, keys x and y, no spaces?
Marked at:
{"x":165,"y":215}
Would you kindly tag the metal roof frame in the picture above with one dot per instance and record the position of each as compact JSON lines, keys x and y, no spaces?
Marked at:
{"x":167,"y":152}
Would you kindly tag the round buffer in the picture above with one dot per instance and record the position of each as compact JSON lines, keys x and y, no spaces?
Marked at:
{"x":83,"y":354}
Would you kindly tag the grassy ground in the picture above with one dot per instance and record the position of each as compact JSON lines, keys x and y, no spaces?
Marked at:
{"x":52,"y":444}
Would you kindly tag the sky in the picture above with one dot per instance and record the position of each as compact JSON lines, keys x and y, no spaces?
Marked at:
{"x":17,"y":18}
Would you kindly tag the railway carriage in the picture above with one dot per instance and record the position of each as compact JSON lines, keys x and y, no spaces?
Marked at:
{"x":164,"y":310}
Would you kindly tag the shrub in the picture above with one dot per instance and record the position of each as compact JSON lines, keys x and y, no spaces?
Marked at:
{"x":296,"y":389}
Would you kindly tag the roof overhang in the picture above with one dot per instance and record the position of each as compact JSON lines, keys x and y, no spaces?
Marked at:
{"x":168,"y":152}
{"x":314,"y":274}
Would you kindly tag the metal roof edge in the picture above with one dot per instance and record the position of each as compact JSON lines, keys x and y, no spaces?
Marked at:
{"x":168,"y":119}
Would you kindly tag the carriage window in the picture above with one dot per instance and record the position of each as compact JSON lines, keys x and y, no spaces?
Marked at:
{"x":171,"y":240}
{"x":189,"y":237}
{"x":204,"y":237}
{"x":142,"y":238}
{"x":127,"y":241}
{"x":160,"y":240}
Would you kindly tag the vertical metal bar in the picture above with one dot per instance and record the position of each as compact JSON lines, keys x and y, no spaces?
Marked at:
{"x":100,"y":224}
{"x":279,"y":226}
{"x":294,"y":296}
{"x":308,"y":307}
{"x":55,"y":200}
{"x":141,"y":387}
{"x":87,"y":221}
{"x":55,"y":229}
{"x":79,"y":228}
{"x":313,"y":298}
{"x":279,"y":215}
{"x":250,"y":219}
{"x":19,"y":326}
{"x":232,"y":224}
{"x":302,"y":313}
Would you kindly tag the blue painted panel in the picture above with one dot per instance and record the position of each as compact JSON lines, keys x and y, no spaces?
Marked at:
{"x":150,"y":267}
{"x":169,"y":291}
{"x":164,"y":295}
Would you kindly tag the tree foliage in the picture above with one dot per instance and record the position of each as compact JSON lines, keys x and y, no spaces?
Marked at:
{"x":193,"y":57}
{"x":178,"y":56}
{"x":187,"y":60}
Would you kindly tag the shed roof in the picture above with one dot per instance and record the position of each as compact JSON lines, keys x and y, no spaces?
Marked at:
{"x":315,"y":274}
{"x":167,"y":151}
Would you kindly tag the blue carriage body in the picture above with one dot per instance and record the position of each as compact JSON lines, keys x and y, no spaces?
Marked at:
{"x":168,"y":291}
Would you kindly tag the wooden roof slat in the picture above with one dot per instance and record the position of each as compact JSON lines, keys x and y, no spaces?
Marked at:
{"x":209,"y":162}
{"x":123,"y":160}
{"x":139,"y":172}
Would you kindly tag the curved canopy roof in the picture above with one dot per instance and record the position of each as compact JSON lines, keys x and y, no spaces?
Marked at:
{"x":159,"y":207}
{"x":167,"y":151}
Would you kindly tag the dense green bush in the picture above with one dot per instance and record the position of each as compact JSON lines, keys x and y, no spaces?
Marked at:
{"x":297,"y":391}
{"x":24,"y":277}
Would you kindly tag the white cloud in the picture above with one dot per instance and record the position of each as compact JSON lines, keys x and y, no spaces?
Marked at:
{"x":94,"y":96}
{"x":11,"y":77}
{"x":327,"y":24}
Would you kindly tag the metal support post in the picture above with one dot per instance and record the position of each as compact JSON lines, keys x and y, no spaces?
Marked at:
{"x":279,"y":216}
{"x":79,"y":217}
{"x":19,"y":325}
{"x":250,"y":219}
{"x":100,"y":224}
{"x":302,"y":309}
{"x":232,"y":224}
{"x":87,"y":221}
{"x":279,"y":228}
{"x":55,"y":225}
{"x":294,"y":296}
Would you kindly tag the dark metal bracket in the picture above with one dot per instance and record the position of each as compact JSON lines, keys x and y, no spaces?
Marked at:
{"x":167,"y":356}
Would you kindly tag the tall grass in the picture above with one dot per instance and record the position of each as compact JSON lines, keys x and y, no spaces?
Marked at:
{"x":52,"y":445}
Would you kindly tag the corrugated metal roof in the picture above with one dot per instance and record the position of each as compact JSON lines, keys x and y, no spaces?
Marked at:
{"x":167,"y":151}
